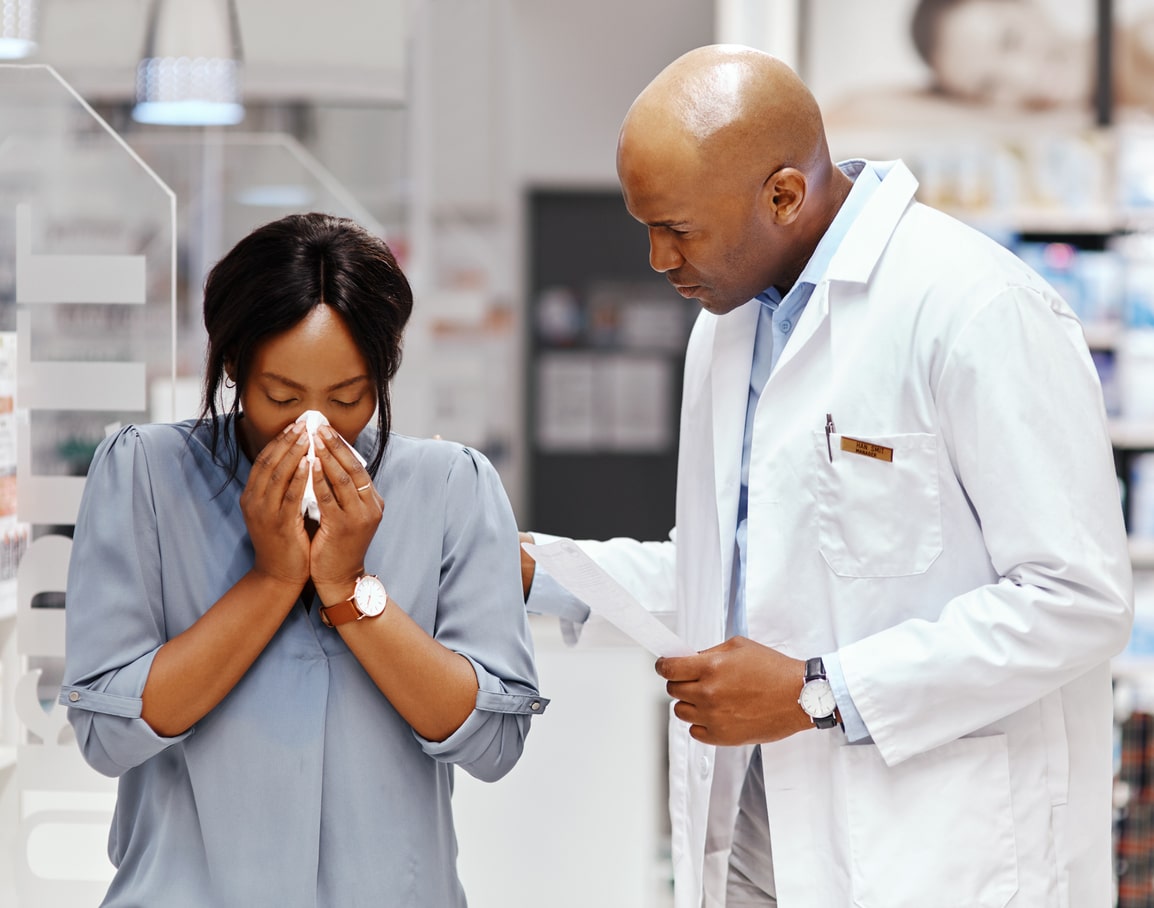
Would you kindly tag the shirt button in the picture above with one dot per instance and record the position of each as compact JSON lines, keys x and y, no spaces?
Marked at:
{"x":73,"y":697}
{"x":703,"y":767}
{"x":785,"y":326}
{"x":535,"y":705}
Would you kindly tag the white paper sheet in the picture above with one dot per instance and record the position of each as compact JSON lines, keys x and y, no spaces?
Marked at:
{"x":578,"y":573}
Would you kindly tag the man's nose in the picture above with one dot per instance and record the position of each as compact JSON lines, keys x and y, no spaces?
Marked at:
{"x":663,"y":254}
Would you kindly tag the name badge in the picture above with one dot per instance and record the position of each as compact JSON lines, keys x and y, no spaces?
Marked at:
{"x":867,"y":449}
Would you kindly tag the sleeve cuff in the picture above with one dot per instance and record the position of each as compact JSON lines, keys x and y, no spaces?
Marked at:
{"x":114,"y":738}
{"x":855,"y":729}
{"x":490,"y":699}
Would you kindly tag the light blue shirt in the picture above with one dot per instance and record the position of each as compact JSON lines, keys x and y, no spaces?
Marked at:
{"x":776,"y":320}
{"x":303,"y":787}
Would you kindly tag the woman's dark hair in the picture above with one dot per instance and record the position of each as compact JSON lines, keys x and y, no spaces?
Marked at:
{"x":276,"y":276}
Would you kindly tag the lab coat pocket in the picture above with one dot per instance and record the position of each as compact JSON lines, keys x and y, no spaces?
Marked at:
{"x":878,"y":507}
{"x":937,"y":829}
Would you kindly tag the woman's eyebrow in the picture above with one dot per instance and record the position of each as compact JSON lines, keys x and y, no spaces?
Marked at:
{"x":298,"y":386}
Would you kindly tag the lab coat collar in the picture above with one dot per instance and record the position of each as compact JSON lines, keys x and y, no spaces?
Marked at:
{"x":859,"y":251}
{"x":862,"y":247}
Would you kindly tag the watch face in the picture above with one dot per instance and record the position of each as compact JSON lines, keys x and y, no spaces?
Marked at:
{"x":371,"y":597}
{"x":817,"y":698}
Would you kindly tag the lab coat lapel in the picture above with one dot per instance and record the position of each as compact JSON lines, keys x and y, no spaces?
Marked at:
{"x":856,"y":257}
{"x":862,"y":248}
{"x":729,"y":378}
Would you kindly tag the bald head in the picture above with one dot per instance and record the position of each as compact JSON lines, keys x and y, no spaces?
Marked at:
{"x":732,"y":104}
{"x":724,"y":158}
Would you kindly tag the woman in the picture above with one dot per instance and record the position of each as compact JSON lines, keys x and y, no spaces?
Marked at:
{"x":283,"y":700}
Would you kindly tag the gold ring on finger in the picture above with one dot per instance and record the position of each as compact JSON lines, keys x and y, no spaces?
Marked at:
{"x":365,"y":486}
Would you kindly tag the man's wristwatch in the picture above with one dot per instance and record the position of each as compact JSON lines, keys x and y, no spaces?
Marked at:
{"x":367,"y":601}
{"x":817,"y":695}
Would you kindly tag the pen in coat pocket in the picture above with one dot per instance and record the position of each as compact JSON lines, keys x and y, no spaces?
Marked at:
{"x":829,"y":430}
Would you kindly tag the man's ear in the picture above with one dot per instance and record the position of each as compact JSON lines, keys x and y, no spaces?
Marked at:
{"x":784,"y":194}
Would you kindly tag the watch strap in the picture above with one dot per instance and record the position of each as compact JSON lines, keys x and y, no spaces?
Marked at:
{"x":815,"y":671}
{"x":341,"y":613}
{"x":825,"y":721}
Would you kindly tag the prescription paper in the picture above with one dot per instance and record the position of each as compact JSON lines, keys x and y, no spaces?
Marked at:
{"x":578,"y":573}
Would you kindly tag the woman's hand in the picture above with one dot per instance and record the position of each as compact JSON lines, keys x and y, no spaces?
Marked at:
{"x":271,"y":503}
{"x":350,"y":510}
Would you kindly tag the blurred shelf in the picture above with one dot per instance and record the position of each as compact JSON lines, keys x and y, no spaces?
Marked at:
{"x":7,"y":756}
{"x":1047,"y":220}
{"x":1134,"y":434}
{"x":1044,"y":220}
{"x":1102,"y":335}
{"x":1142,"y":553}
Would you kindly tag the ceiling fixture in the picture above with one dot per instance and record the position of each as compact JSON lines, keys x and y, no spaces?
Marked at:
{"x":17,"y":28}
{"x":190,"y":72}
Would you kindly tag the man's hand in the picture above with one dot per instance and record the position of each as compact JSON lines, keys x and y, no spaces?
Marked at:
{"x":738,"y":692}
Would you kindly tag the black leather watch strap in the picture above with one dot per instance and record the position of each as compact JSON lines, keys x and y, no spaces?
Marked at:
{"x":815,"y":670}
{"x":825,"y":721}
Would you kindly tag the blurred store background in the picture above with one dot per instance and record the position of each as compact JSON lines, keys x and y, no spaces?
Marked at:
{"x":478,"y":137}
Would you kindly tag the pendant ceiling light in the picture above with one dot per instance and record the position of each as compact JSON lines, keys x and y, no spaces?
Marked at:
{"x":17,"y":28}
{"x":190,"y":73}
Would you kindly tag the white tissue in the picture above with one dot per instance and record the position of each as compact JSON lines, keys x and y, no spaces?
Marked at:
{"x":314,"y":419}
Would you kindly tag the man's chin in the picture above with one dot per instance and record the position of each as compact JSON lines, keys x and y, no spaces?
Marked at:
{"x":717,"y":307}
{"x":706,"y":297}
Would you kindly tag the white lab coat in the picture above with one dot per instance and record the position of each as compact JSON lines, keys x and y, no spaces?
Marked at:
{"x":975,"y":587}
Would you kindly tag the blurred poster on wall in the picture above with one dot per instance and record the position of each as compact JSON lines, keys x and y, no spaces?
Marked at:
{"x":566,"y":402}
{"x":635,"y":392}
{"x":604,"y":402}
{"x":930,"y":62}
{"x":994,"y":104}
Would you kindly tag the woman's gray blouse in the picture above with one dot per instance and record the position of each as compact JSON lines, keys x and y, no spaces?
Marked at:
{"x":303,"y":787}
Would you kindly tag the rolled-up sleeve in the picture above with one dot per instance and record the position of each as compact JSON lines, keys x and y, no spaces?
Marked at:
{"x":113,"y":614}
{"x":481,"y":615}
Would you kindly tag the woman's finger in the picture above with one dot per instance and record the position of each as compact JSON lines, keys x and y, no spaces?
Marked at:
{"x":342,"y":471}
{"x":268,"y":468}
{"x":295,"y":492}
{"x":283,"y":470}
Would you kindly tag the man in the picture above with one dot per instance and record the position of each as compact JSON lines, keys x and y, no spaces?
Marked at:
{"x":894,"y":474}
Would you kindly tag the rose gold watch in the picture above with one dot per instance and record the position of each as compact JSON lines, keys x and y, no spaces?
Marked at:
{"x":367,"y":601}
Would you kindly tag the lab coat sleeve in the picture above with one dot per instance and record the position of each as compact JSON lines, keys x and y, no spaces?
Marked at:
{"x":1021,"y":416}
{"x":481,"y":615}
{"x":851,"y":720}
{"x":114,"y":617}
{"x":548,"y":597}
{"x":645,"y":569}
